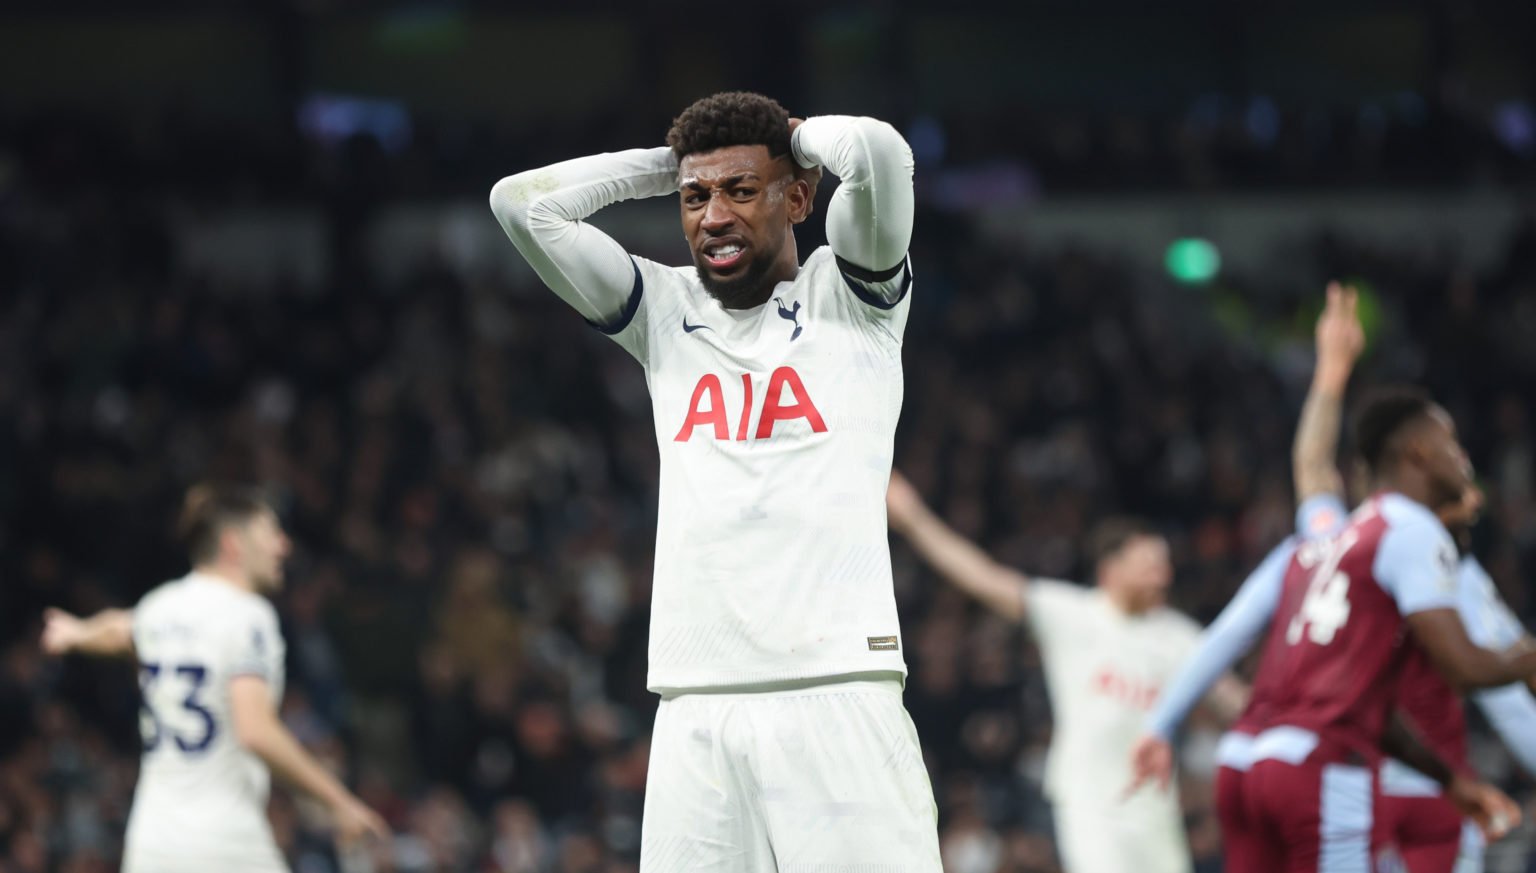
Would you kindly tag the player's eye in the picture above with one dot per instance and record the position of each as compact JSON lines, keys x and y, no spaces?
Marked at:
{"x":694,"y":199}
{"x":744,"y":193}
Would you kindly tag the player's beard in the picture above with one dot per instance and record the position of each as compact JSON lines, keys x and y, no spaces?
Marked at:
{"x":741,"y":290}
{"x":267,"y":582}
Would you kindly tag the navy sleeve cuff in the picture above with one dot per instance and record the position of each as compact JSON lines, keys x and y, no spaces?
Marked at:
{"x":630,"y":308}
{"x":856,"y":277}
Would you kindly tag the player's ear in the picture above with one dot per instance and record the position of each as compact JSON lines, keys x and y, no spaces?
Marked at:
{"x":802,"y":193}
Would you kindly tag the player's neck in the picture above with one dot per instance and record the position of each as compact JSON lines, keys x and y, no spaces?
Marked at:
{"x":231,"y":576}
{"x":1122,"y":601}
{"x":785,"y":268}
{"x":1411,"y":486}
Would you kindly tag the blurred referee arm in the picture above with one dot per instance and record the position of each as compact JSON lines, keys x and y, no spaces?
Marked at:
{"x":869,"y":221}
{"x":1000,"y":587}
{"x":261,"y":732}
{"x":543,"y":212}
{"x":107,"y":634}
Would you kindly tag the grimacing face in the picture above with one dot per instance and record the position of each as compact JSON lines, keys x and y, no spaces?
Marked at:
{"x":263,"y":549}
{"x":1142,"y":570}
{"x":738,"y":205}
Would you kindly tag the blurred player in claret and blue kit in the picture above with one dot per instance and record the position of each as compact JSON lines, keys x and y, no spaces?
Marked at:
{"x":1299,"y":787}
{"x":775,"y":388}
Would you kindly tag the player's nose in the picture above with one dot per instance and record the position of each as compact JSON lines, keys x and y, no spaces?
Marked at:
{"x":717,"y":214}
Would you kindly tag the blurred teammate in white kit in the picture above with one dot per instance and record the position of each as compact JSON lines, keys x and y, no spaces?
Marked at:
{"x":781,"y":743}
{"x":211,"y":671}
{"x":1107,"y":651}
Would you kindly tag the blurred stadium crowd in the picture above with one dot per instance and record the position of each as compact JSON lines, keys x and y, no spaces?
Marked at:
{"x":471,"y":485}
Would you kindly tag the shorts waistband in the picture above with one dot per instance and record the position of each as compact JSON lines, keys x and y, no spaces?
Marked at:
{"x":884,"y":681}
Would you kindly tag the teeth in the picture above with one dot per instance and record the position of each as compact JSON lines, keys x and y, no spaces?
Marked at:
{"x":726,"y":251}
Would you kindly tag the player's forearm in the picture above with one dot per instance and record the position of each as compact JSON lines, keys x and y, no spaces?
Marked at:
{"x":1402,"y":742}
{"x":869,"y":221}
{"x":965,"y":565}
{"x":1317,"y":434}
{"x":107,"y":634}
{"x":277,"y":747}
{"x":1477,"y":668}
{"x":576,"y":189}
{"x":1229,"y":698}
{"x":543,"y":212}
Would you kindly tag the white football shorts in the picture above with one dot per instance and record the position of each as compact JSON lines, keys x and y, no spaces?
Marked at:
{"x":820,"y":779}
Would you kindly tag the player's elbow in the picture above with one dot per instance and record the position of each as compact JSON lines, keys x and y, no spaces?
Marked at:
{"x":510,"y":199}
{"x":523,"y":213}
{"x":886,"y":147}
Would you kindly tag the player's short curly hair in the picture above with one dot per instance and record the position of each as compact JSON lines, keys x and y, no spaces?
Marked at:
{"x":1382,"y":416}
{"x":730,"y":118}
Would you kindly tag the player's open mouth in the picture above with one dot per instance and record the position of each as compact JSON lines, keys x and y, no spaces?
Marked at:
{"x":723,"y":256}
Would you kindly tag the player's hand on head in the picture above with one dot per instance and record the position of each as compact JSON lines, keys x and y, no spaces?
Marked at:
{"x":355,"y":820}
{"x":1340,"y":338}
{"x":810,"y":175}
{"x":61,"y":632}
{"x":1493,"y":810}
{"x":1151,"y":759}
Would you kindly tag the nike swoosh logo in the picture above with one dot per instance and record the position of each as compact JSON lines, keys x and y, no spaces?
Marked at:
{"x":690,"y":328}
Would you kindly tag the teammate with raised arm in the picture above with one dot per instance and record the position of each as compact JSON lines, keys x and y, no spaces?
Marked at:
{"x":1426,"y":827}
{"x":211,"y":671}
{"x":1107,"y":650}
{"x":775,"y":388}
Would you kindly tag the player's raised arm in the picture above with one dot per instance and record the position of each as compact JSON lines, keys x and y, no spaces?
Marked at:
{"x":107,"y":634}
{"x":543,"y":212}
{"x":259,"y":730}
{"x":869,"y":222}
{"x":1340,"y":340}
{"x":1001,"y":588}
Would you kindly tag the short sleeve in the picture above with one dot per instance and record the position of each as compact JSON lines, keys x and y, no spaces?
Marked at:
{"x":1321,"y":515}
{"x":1051,"y":607}
{"x":883,"y":291}
{"x":1416,"y":564}
{"x":629,"y":329}
{"x":252,"y":645}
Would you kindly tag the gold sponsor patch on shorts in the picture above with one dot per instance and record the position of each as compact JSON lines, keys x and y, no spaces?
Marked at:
{"x":882,"y":644}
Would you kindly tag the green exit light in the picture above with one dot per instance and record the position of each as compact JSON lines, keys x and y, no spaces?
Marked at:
{"x":1192,"y":260}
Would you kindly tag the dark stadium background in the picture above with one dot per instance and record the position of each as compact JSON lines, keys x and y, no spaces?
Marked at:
{"x":250,"y":239}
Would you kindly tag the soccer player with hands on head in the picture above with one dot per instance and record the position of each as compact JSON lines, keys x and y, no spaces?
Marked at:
{"x":775,"y":388}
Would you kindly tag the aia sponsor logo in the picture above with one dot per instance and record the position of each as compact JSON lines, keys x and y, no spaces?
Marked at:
{"x":786,"y":399}
{"x":1129,"y":690}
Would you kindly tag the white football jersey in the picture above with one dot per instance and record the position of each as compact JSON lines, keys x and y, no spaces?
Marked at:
{"x":201,"y":797}
{"x":775,"y":426}
{"x":1104,"y":670}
